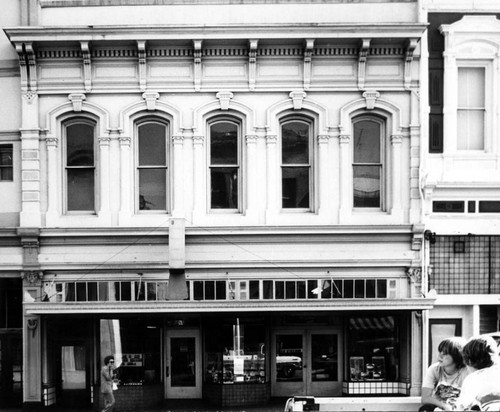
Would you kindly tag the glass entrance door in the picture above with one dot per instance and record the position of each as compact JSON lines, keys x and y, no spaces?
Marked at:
{"x":74,"y":375}
{"x":183,"y":364}
{"x":307,"y":362}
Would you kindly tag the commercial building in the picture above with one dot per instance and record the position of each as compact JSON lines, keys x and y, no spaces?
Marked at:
{"x":224,"y":195}
{"x":460,"y":173}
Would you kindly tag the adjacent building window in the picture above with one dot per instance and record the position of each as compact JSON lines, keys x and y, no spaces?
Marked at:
{"x":368,"y":162}
{"x":80,"y":170}
{"x":471,"y":108}
{"x":6,"y":168}
{"x":296,"y":164}
{"x":152,"y":165}
{"x":225,"y":164}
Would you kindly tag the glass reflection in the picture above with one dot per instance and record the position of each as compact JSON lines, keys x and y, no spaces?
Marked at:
{"x":289,"y":354}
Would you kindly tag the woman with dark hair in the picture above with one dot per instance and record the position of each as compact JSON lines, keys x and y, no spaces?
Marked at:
{"x":107,"y":377}
{"x":482,"y":386}
{"x":443,"y":380}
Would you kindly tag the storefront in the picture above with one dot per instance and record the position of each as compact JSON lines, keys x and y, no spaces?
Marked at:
{"x":228,"y":356}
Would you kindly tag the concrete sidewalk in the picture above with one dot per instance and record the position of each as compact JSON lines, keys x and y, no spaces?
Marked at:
{"x":173,"y":405}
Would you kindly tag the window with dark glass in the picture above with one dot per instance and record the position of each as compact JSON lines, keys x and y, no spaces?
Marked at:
{"x":236,"y":353}
{"x":367,"y":165}
{"x":80,"y":165}
{"x":152,"y":167}
{"x":136,"y":346}
{"x":296,"y":164}
{"x":6,"y":167}
{"x":374,"y":348}
{"x":224,"y":164}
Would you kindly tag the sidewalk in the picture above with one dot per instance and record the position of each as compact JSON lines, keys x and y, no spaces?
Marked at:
{"x":173,"y":405}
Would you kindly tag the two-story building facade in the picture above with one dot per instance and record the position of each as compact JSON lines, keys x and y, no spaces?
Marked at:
{"x":460,"y":169}
{"x":225,"y":196}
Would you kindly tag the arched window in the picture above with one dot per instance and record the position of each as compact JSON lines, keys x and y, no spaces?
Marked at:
{"x":368,"y":162}
{"x":225,"y":164}
{"x":79,"y":164}
{"x":152,"y":165}
{"x":296,"y":163}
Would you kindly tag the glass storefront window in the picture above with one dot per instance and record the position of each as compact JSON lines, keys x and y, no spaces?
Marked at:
{"x":135,"y":344}
{"x":373,"y":348}
{"x":236,"y":354}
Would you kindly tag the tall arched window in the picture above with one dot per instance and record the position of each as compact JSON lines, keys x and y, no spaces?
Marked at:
{"x":152,"y":165}
{"x":296,"y":164}
{"x":225,"y":164}
{"x":80,"y":169}
{"x":368,"y":162}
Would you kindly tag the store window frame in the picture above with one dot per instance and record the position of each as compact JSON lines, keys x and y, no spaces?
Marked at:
{"x":381,"y":164}
{"x":6,"y":163}
{"x":66,"y":124}
{"x":236,"y":196}
{"x":141,"y":203}
{"x":308,"y":164}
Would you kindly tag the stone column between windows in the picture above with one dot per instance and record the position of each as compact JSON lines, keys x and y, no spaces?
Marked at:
{"x":345,"y":178}
{"x":51,"y":144}
{"x":272,"y":176}
{"x":324,"y":181}
{"x":396,"y":141}
{"x":177,"y":171}
{"x":30,"y":178}
{"x":251,"y":174}
{"x":198,"y":175}
{"x":188,"y":172}
{"x":126,"y":179}
{"x":104,"y":184}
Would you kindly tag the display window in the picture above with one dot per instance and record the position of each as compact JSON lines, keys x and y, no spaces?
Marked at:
{"x":136,"y":346}
{"x":373,"y":348}
{"x":236,"y":354}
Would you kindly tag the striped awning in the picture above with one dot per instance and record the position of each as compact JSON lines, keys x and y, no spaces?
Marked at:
{"x":372,"y":323}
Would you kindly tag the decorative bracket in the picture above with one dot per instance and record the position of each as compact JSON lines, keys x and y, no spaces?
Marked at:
{"x":252,"y":63}
{"x":30,"y":55}
{"x":32,"y":325}
{"x":197,"y":64}
{"x":414,"y":274}
{"x":371,"y":97}
{"x":141,"y":52}
{"x":297,"y":97}
{"x":224,"y":97}
{"x":23,"y":66}
{"x":410,"y":49}
{"x":308,"y":52}
{"x":151,"y":98}
{"x":418,"y":237}
{"x":32,"y":277}
{"x":77,"y":100}
{"x":27,"y":65}
{"x":363,"y":56}
{"x":87,"y":68}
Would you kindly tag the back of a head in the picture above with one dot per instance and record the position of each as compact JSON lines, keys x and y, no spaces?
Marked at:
{"x":480,"y":352}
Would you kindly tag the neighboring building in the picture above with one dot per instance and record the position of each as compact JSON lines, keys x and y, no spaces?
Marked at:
{"x":461,"y":171}
{"x":265,"y":154}
{"x":11,"y":315}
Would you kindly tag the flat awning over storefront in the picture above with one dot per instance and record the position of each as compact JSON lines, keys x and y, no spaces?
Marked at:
{"x":47,"y":308}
